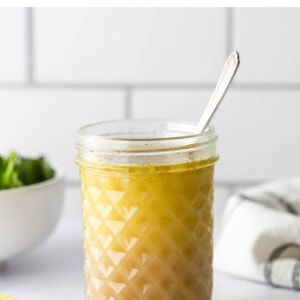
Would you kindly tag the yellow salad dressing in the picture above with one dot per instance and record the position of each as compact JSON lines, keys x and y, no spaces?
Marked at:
{"x":147,"y":230}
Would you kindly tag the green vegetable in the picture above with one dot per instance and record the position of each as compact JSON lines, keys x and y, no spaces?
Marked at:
{"x":16,"y":171}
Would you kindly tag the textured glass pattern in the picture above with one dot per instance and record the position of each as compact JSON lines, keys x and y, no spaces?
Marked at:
{"x":148,"y":232}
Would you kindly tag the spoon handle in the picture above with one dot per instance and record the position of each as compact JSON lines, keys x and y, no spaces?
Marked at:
{"x":230,"y":67}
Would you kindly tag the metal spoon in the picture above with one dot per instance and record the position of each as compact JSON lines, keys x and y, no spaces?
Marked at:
{"x":230,"y":67}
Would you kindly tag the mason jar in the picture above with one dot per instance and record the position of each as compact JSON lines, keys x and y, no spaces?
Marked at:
{"x":147,"y":196}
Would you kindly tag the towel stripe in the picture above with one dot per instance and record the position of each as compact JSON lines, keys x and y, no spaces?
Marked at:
{"x":296,"y":275}
{"x":276,"y":253}
{"x":245,"y":197}
{"x":286,"y":204}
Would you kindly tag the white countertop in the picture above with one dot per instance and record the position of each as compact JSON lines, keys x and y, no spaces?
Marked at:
{"x":54,"y":270}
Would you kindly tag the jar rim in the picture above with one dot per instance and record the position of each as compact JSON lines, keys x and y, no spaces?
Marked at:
{"x":135,"y":135}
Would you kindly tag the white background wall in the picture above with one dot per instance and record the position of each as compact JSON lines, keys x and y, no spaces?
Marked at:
{"x":63,"y":68}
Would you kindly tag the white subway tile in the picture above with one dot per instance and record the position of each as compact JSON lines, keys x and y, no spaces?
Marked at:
{"x":132,"y":45}
{"x":13,"y":45}
{"x":269,"y":43}
{"x":258,"y":130}
{"x":169,"y":104}
{"x":45,"y":122}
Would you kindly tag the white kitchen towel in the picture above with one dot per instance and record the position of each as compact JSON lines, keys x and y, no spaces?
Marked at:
{"x":260,"y":236}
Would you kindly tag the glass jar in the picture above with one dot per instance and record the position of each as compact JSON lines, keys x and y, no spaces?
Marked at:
{"x":147,"y":195}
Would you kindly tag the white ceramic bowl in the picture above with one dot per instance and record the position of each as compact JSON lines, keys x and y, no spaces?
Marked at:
{"x":28,"y":215}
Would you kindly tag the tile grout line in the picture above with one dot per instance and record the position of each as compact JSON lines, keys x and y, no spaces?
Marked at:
{"x":30,"y":41}
{"x":156,"y":86}
{"x":229,"y":30}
